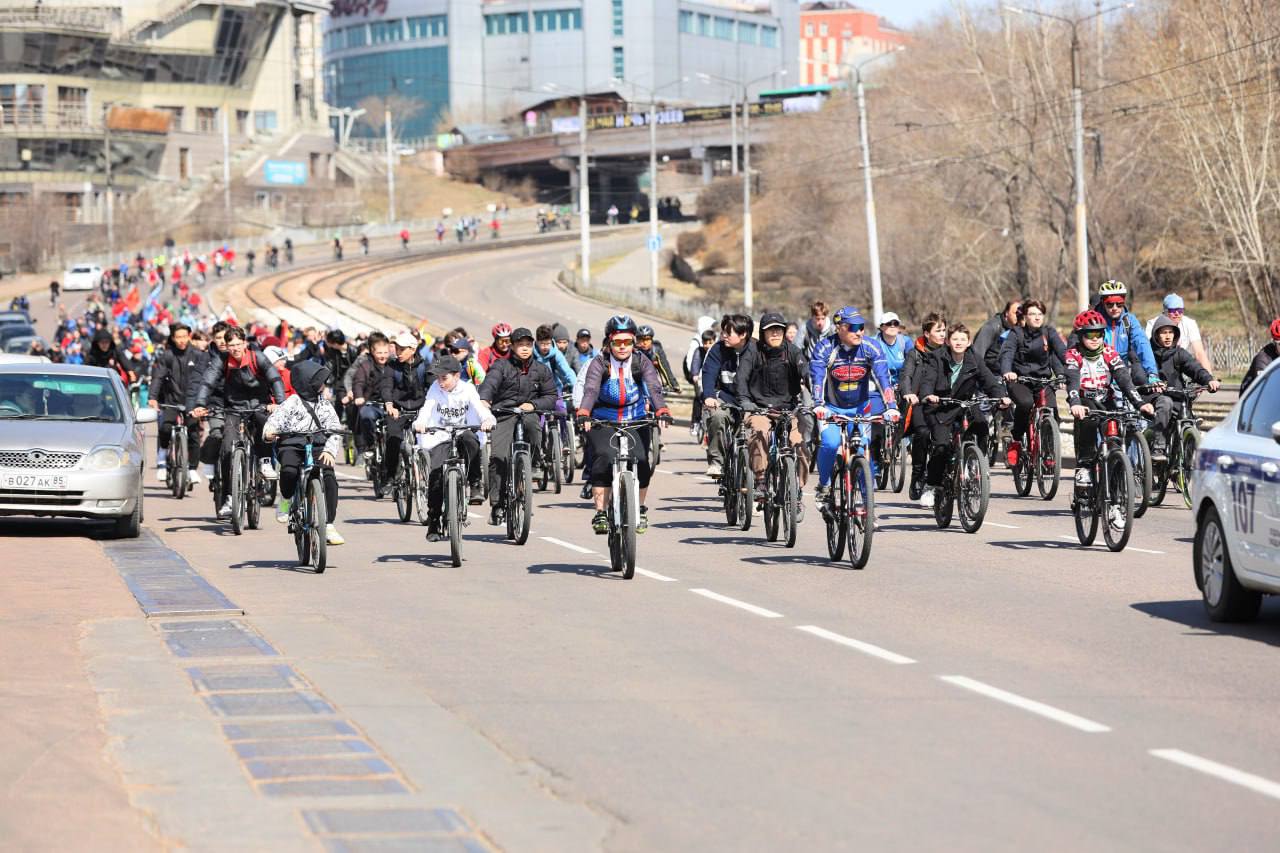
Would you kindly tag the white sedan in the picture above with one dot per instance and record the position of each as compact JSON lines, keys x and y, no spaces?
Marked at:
{"x":82,"y":277}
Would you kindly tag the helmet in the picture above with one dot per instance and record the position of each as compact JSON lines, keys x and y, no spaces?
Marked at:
{"x":644,"y":332}
{"x":848,"y":314}
{"x":501,"y":330}
{"x":620,"y":323}
{"x":1090,"y":321}
{"x":1275,"y":329}
{"x":1111,"y":287}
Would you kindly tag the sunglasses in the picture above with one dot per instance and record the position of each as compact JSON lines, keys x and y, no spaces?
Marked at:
{"x":1174,"y":312}
{"x":1116,"y":303}
{"x":854,"y":327}
{"x":622,"y":342}
{"x":1093,"y":336}
{"x":894,"y":323}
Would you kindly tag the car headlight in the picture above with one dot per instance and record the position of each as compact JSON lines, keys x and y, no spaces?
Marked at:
{"x":107,"y":458}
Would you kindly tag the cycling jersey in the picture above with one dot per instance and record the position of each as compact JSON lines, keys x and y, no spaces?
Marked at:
{"x":842,"y":376}
{"x":621,"y":390}
{"x":1126,"y":335}
{"x":1093,"y":374}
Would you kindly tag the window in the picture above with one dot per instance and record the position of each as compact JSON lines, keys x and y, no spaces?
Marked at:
{"x":748,"y":33}
{"x":822,"y":29}
{"x":619,"y":63}
{"x":242,"y":122}
{"x":617,"y":18}
{"x":506,"y":24}
{"x":206,"y":119}
{"x":385,"y":31}
{"x":768,"y":36}
{"x":23,"y":104}
{"x":704,"y":24}
{"x":73,"y":106}
{"x":175,"y":116}
{"x":808,"y":30}
{"x":724,"y":28}
{"x":264,"y":121}
{"x":1262,"y":408}
{"x":431,"y":26}
{"x":555,"y":20}
{"x":357,"y":36}
{"x":686,"y":22}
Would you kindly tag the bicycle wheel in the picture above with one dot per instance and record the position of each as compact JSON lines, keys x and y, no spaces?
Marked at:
{"x":975,"y":488}
{"x":772,"y":502}
{"x":1086,"y":510}
{"x":1190,"y":440}
{"x":453,"y":498}
{"x":746,"y":491}
{"x":1049,"y":459}
{"x":178,"y":466}
{"x":1160,"y":477}
{"x":728,"y":482}
{"x":299,"y":526}
{"x":421,"y":483}
{"x":253,"y":493}
{"x":349,"y":449}
{"x":376,"y":472}
{"x":1139,"y":453}
{"x":901,"y":451}
{"x":237,"y":491}
{"x":944,"y":502}
{"x":1117,"y":510}
{"x":317,"y":518}
{"x":627,"y":509}
{"x":544,"y":465}
{"x":569,"y":455}
{"x":522,"y":508}
{"x":883,"y":464}
{"x":862,"y":511}
{"x":655,"y":448}
{"x":834,"y":515}
{"x":554,"y":461}
{"x":402,"y":487}
{"x":790,"y":504}
{"x":486,"y":454}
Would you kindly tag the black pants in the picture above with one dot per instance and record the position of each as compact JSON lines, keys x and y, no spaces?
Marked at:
{"x":469,"y":450}
{"x":941,"y":427}
{"x":212,"y":446}
{"x":1024,"y":399}
{"x":291,"y":458}
{"x":604,"y":450}
{"x":396,"y":428}
{"x":1086,"y":433}
{"x":500,"y":440}
{"x":919,"y":432}
{"x":1164,"y":412}
{"x":165,"y":438}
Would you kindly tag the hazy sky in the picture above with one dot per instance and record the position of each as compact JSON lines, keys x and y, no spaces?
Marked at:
{"x":905,"y":13}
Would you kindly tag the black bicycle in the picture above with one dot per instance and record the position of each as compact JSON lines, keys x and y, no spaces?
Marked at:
{"x":177,"y":476}
{"x":1180,"y":458}
{"x":375,"y":458}
{"x":850,"y":506}
{"x":1136,"y":446}
{"x":517,"y":497}
{"x":893,"y":455}
{"x":967,"y":484}
{"x":403,"y":485}
{"x":1109,"y":498}
{"x":453,"y":472}
{"x":551,"y":469}
{"x":782,"y":480}
{"x":737,"y":483}
{"x":248,"y":488}
{"x":624,"y":497}
{"x":309,"y":511}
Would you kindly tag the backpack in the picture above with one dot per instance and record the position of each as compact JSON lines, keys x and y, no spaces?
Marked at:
{"x":637,"y":372}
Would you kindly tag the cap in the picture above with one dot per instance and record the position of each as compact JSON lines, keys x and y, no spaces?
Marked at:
{"x":461,"y":344}
{"x":1173,"y":301}
{"x":584,"y":333}
{"x":404,"y":339}
{"x":520,"y":334}
{"x":274,"y":354}
{"x":889,"y":317}
{"x":445,"y":364}
{"x":772,"y":319}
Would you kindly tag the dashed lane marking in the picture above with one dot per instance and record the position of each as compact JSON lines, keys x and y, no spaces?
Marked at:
{"x":569,"y":545}
{"x":1224,"y":772}
{"x":1144,"y":550}
{"x":733,"y":602}
{"x":654,"y":575}
{"x":865,"y":648}
{"x":1047,"y":711}
{"x":1005,"y":526}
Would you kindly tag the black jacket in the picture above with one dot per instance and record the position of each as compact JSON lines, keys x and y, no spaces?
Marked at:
{"x":986,"y":344}
{"x":509,"y":384}
{"x":936,"y":378}
{"x":912,"y":372}
{"x":373,"y":382}
{"x":260,"y":383}
{"x":1033,"y":352}
{"x":658,"y":356}
{"x":339,"y":362}
{"x":111,"y":358}
{"x":176,"y":376}
{"x":770,"y":378}
{"x":1265,"y":356}
{"x":409,"y":385}
{"x":1175,"y":362}
{"x":310,"y":351}
{"x":720,"y":371}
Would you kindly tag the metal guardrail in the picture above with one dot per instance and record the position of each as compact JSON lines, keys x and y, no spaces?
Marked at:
{"x":98,"y":18}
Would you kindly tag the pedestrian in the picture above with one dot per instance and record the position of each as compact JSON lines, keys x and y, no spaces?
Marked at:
{"x":1188,"y":329}
{"x":439,"y":231}
{"x":613,"y":214}
{"x":54,"y":290}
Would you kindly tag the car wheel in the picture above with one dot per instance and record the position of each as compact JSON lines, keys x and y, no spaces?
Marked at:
{"x":1225,"y":598}
{"x":129,"y":526}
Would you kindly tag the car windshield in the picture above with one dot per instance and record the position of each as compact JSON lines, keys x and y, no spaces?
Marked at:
{"x":53,"y":397}
{"x":80,"y":270}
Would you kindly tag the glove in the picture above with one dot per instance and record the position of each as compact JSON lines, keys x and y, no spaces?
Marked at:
{"x":663,"y":414}
{"x":747,"y":406}
{"x":892,"y":415}
{"x":820,"y":412}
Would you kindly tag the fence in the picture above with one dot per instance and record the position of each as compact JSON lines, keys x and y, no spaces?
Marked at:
{"x":1230,"y":354}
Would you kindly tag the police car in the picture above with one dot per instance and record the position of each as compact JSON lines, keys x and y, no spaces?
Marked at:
{"x":1235,"y":491}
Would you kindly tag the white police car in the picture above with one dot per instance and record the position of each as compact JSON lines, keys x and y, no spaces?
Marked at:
{"x":1235,"y":491}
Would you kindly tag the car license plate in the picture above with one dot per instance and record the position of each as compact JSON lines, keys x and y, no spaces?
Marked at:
{"x":33,"y":481}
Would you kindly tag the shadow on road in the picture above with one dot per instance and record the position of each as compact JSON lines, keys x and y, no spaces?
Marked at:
{"x":222,"y":528}
{"x":1190,"y":612}
{"x":723,"y":540}
{"x":52,"y":527}
{"x":785,"y":558}
{"x":593,"y":570}
{"x":278,"y":565}
{"x":715,"y":508}
{"x":435,"y":561}
{"x":690,"y":498}
{"x":1027,"y":544}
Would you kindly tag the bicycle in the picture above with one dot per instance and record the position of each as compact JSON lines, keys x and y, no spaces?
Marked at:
{"x":1109,"y":498}
{"x":894,"y":452}
{"x":966,"y":487}
{"x":624,"y":498}
{"x":247,"y":488}
{"x":1181,"y":454}
{"x":568,"y":444}
{"x":850,"y":506}
{"x":737,"y":483}
{"x":374,"y":468}
{"x":454,"y":473}
{"x":782,"y":481}
{"x":308,"y":511}
{"x":177,"y":476}
{"x":517,"y":498}
{"x":403,"y":485}
{"x":1136,"y":426}
{"x":551,"y":470}
{"x":1042,"y":451}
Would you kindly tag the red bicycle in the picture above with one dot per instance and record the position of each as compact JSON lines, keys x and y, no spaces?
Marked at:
{"x":1041,"y":456}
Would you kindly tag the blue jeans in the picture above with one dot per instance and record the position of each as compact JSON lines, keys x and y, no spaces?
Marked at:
{"x":366,"y":419}
{"x":830,"y":436}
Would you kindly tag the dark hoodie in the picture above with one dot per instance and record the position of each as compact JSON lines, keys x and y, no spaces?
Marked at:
{"x":911,"y":374}
{"x":1173,"y":361}
{"x":111,"y":358}
{"x":1265,"y":356}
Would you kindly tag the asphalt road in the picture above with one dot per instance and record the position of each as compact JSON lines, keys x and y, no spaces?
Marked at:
{"x":1006,"y":690}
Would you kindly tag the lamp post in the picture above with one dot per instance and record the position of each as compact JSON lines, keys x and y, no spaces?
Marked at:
{"x":748,"y":253}
{"x":391,"y":172}
{"x":1077,"y":107}
{"x":873,"y":240}
{"x":106,"y":155}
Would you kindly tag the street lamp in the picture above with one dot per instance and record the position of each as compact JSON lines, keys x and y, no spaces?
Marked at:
{"x":733,"y":117}
{"x":391,"y":172}
{"x":873,"y":240}
{"x":1077,"y":104}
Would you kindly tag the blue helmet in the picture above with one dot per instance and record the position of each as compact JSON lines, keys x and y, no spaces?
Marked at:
{"x":848,"y":314}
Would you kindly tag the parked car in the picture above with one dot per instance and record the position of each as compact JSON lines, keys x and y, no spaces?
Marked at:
{"x":16,"y":330}
{"x":82,"y":276}
{"x":70,"y":445}
{"x":1235,"y":495}
{"x":23,"y":343}
{"x":10,"y":317}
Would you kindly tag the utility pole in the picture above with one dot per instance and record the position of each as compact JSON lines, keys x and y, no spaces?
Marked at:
{"x":226,"y":163}
{"x":733,"y":125}
{"x":391,"y":172}
{"x":747,"y":294}
{"x":106,"y":155}
{"x":653,"y":204}
{"x":873,"y":239}
{"x":584,"y":178}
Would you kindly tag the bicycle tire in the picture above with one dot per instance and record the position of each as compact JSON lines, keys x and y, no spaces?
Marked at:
{"x":349,"y":449}
{"x":403,"y":487}
{"x":627,"y":505}
{"x":1190,"y":439}
{"x":772,"y":502}
{"x":944,"y":503}
{"x":728,"y":481}
{"x":237,"y":491}
{"x":1049,"y":459}
{"x":1139,"y":453}
{"x":1023,"y":473}
{"x":524,"y":497}
{"x":178,"y":465}
{"x":746,"y":491}
{"x":900,"y":454}
{"x":317,"y":524}
{"x":375,"y":471}
{"x":655,"y":448}
{"x":835,"y":515}
{"x":974,"y":494}
{"x":453,"y":498}
{"x":421,"y":484}
{"x":790,"y":501}
{"x":569,"y":455}
{"x":1118,"y":474}
{"x":1160,"y":478}
{"x":557,"y":452}
{"x":862,"y":512}
{"x":882,"y":468}
{"x":544,"y":465}
{"x":1087,"y":512}
{"x":253,"y":493}
{"x":301,"y":535}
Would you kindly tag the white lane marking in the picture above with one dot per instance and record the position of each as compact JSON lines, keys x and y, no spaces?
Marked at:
{"x":1005,"y":526}
{"x":865,"y":648}
{"x":1046,"y":711}
{"x":343,"y":476}
{"x":733,"y":602}
{"x":1063,"y":536}
{"x":1144,"y":550}
{"x":654,"y":575}
{"x":569,"y":545}
{"x":1220,"y":771}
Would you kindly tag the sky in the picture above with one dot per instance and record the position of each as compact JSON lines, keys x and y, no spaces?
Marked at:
{"x":905,"y":13}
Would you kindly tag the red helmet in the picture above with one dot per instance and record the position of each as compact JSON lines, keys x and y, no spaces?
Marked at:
{"x":1275,"y":329}
{"x":501,"y":330}
{"x":1089,"y":321}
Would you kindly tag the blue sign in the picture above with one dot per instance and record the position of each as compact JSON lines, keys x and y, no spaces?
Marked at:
{"x":655,"y":243}
{"x":292,"y":172}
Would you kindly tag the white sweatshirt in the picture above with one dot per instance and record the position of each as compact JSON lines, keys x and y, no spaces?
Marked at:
{"x":459,"y":407}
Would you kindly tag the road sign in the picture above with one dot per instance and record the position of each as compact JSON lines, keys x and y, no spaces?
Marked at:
{"x":655,"y":243}
{"x":293,"y":172}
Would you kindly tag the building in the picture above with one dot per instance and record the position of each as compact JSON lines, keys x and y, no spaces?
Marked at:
{"x":835,"y":36}
{"x":479,"y":62}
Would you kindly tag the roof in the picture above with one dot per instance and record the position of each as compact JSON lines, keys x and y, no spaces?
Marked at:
{"x":64,"y":369}
{"x":793,"y":91}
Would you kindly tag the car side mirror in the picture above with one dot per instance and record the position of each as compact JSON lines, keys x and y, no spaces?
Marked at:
{"x":145,"y":415}
{"x":1275,"y":432}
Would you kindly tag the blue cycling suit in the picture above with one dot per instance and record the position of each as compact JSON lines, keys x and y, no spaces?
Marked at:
{"x":848,"y":381}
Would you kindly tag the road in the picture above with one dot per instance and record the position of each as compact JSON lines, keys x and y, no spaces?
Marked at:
{"x":999,"y":691}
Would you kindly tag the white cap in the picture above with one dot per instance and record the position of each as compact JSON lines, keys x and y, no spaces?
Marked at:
{"x":274,"y":354}
{"x":888,"y":317}
{"x":405,"y":339}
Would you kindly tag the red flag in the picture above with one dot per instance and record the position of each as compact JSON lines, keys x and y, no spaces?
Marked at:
{"x":133,"y":300}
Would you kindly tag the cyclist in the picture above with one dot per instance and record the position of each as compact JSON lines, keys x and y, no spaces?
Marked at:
{"x":177,"y":371}
{"x":54,"y":289}
{"x":771,"y":376}
{"x":408,"y":391}
{"x":104,"y":353}
{"x":1174,"y":363}
{"x":934,"y":328}
{"x":956,"y":372}
{"x":450,"y":402}
{"x":582,"y":343}
{"x":472,"y":372}
{"x":548,"y":354}
{"x":404,"y":239}
{"x":279,"y":359}
{"x":499,"y":349}
{"x":719,"y":383}
{"x":515,"y":382}
{"x":372,"y":386}
{"x":1092,"y":365}
{"x":560,"y":334}
{"x":243,"y":378}
{"x":816,"y":329}
{"x":1123,"y":331}
{"x":212,"y":446}
{"x":308,"y":409}
{"x":1265,"y":356}
{"x":619,"y":387}
{"x":1035,"y":350}
{"x":364,"y":243}
{"x":694,"y":371}
{"x":894,"y":345}
{"x":652,"y":349}
{"x":841,"y":374}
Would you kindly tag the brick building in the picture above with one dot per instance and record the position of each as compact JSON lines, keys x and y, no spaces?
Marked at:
{"x":837,"y":35}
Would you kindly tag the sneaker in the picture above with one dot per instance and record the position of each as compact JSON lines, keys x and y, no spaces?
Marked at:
{"x":366,"y":455}
{"x":434,"y":532}
{"x":917,"y":487}
{"x":1011,"y":455}
{"x":225,"y":510}
{"x":713,"y":470}
{"x":1083,"y":478}
{"x":495,"y":515}
{"x":799,"y":506}
{"x":193,"y":476}
{"x":475,"y":494}
{"x":1115,"y":517}
{"x":927,"y":499}
{"x":600,"y":523}
{"x":642,"y":521}
{"x":268,"y":469}
{"x":162,"y":474}
{"x":820,"y":496}
{"x":585,"y":494}
{"x":282,"y":511}
{"x":1159,"y":452}
{"x":332,"y":536}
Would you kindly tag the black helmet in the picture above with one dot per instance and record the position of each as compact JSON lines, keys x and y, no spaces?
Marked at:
{"x":645,"y":332}
{"x":620,"y":323}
